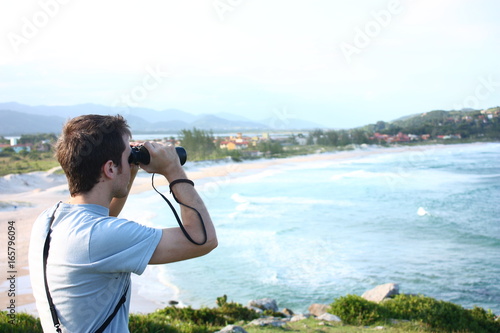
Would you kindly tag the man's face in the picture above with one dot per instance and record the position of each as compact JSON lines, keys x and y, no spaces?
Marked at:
{"x":123,"y":178}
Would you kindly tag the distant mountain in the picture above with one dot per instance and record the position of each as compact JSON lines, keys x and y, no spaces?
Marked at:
{"x":17,"y":119}
{"x":289,"y":123}
{"x":230,"y":116}
{"x":217,"y":123}
{"x":17,"y":123}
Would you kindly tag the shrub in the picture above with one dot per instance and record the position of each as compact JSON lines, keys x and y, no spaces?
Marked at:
{"x":355,"y":310}
{"x":435,"y":314}
{"x":234,"y":311}
{"x":189,"y":320}
{"x":144,"y":324}
{"x":24,"y":323}
{"x":190,"y":315}
{"x":440,"y":314}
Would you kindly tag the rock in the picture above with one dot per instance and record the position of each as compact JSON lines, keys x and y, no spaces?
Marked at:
{"x":298,"y":317}
{"x":259,"y":311}
{"x":232,"y":329}
{"x":318,"y":309}
{"x":264,"y":304}
{"x":269,"y":321}
{"x":287,"y":312}
{"x":329,"y":317}
{"x":380,"y":292}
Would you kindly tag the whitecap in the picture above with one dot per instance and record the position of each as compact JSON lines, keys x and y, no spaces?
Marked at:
{"x":422,"y":212}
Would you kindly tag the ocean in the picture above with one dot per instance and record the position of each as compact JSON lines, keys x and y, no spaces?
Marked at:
{"x":427,"y":219}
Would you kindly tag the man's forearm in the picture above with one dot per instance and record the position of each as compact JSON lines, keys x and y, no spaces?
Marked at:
{"x":187,"y":195}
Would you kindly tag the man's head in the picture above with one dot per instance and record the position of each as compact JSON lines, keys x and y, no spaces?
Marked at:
{"x":86,"y":144}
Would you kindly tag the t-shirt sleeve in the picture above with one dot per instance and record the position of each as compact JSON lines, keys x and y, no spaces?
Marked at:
{"x":118,"y":245}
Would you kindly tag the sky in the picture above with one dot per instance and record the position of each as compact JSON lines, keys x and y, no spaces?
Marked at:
{"x":338,"y":63}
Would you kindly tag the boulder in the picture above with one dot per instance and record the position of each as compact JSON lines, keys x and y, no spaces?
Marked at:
{"x":287,"y":312}
{"x":268,"y":321}
{"x":264,"y":304}
{"x":298,"y":317}
{"x":318,"y":309}
{"x":258,"y":310}
{"x":329,"y":317}
{"x":380,"y":292}
{"x":232,"y":329}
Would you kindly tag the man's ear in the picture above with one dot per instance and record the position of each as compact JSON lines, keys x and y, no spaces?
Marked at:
{"x":109,"y":170}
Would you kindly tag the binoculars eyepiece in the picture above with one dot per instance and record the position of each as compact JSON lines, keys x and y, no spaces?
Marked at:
{"x":140,"y":154}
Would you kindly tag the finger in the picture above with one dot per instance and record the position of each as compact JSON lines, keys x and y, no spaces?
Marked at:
{"x":148,"y":145}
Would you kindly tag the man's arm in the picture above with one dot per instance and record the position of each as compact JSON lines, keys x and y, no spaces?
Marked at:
{"x":174,"y":246}
{"x":116,"y":205}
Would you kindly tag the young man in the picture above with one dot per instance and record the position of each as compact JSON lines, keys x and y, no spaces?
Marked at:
{"x":92,"y":253}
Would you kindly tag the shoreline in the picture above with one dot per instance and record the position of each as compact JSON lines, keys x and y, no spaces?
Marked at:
{"x":34,"y":192}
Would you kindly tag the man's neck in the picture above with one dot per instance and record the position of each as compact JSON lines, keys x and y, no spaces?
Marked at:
{"x":96,"y":197}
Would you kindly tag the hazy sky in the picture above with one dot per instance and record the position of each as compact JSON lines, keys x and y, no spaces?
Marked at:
{"x":339,"y":63}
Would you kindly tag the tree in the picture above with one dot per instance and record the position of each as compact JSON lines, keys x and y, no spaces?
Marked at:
{"x":270,"y":147}
{"x":379,"y":126}
{"x":199,"y":144}
{"x":7,"y":151}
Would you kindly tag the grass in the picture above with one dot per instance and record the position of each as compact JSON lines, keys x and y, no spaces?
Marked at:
{"x":18,"y":164}
{"x":404,"y":313}
{"x":315,"y":326}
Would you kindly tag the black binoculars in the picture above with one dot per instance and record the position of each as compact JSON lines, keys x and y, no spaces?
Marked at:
{"x":140,"y":154}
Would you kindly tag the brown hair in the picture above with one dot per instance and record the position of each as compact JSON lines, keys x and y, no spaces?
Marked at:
{"x":85,"y":144}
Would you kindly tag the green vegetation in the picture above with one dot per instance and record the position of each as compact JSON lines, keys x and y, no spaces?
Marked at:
{"x":11,"y":162}
{"x":23,"y":323}
{"x":38,"y":157}
{"x":428,"y":128}
{"x":434,"y":126}
{"x":45,"y":140}
{"x":468,"y":124}
{"x":403,"y":313}
{"x":200,"y":145}
{"x":338,"y":138}
{"x":428,"y":312}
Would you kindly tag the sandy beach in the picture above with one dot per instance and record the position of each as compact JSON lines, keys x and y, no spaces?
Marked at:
{"x":24,"y":197}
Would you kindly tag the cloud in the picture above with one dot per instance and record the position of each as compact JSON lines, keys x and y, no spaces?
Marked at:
{"x":263,"y":55}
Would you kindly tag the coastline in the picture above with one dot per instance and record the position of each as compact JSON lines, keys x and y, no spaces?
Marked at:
{"x":32,"y":193}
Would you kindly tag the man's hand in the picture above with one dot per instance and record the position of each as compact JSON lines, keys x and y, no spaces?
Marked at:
{"x":164,"y":160}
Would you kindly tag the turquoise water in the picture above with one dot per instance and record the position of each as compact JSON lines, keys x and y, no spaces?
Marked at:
{"x":303,"y":233}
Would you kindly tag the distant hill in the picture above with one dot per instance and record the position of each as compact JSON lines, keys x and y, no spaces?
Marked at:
{"x":17,"y":119}
{"x":440,"y":117}
{"x":17,"y":123}
{"x":467,"y":122}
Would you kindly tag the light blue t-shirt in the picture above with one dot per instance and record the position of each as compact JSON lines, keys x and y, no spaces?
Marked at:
{"x":91,"y":257}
